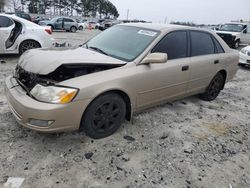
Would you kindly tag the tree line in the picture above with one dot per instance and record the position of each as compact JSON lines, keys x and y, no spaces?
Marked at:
{"x":102,"y":8}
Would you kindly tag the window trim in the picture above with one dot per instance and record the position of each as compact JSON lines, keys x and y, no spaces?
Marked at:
{"x":187,"y":40}
{"x":214,"y":41}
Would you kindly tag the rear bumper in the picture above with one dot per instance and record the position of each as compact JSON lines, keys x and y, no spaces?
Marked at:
{"x":65,"y":117}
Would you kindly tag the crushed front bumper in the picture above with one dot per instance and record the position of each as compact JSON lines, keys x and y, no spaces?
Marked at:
{"x":65,"y":117}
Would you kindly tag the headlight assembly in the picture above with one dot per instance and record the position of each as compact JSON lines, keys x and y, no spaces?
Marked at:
{"x":53,"y":94}
{"x":243,"y":51}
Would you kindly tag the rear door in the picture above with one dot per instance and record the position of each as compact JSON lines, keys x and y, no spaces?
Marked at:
{"x":245,"y":37}
{"x":165,"y":81}
{"x":6,"y":28}
{"x":68,"y":23}
{"x":207,"y":58}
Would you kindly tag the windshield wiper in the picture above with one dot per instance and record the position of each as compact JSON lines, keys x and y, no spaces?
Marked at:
{"x":98,"y":50}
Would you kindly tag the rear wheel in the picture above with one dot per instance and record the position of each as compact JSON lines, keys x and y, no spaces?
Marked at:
{"x":80,"y":28}
{"x":214,"y":88}
{"x":104,"y":116}
{"x":27,"y":45}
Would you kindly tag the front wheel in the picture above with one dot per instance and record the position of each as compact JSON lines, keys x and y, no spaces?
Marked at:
{"x":104,"y":116}
{"x":73,"y":29}
{"x":214,"y":88}
{"x":236,"y":44}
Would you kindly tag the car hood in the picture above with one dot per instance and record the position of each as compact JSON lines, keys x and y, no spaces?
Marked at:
{"x":228,"y":32}
{"x":45,"y":61}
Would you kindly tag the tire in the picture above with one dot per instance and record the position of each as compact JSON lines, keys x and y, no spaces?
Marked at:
{"x":214,"y":88}
{"x":73,"y":29}
{"x":236,"y":44}
{"x":104,"y":116}
{"x":80,"y":28}
{"x":27,"y":45}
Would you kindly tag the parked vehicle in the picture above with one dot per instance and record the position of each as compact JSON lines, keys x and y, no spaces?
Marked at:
{"x":97,"y":86}
{"x":61,"y":23}
{"x":82,"y":24}
{"x":91,"y":25}
{"x":39,"y":19}
{"x":245,"y":56}
{"x":107,"y":24}
{"x":235,"y":34}
{"x":21,"y":15}
{"x":19,"y":35}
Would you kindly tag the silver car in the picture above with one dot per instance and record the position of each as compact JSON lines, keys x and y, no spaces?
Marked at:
{"x":61,"y":23}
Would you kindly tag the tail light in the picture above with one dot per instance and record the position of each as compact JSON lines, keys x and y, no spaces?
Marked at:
{"x":48,"y":30}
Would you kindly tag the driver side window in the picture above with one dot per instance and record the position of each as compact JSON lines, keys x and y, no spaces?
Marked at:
{"x":174,"y":44}
{"x":5,"y":22}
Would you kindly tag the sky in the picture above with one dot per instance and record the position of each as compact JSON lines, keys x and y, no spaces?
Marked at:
{"x":197,"y":11}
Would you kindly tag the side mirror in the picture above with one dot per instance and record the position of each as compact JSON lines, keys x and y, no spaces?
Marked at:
{"x":155,"y":58}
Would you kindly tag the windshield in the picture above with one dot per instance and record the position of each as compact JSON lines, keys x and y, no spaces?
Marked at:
{"x":123,"y":42}
{"x":232,"y":27}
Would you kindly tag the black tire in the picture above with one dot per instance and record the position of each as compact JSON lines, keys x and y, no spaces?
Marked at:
{"x":80,"y":28}
{"x":236,"y":44}
{"x":214,"y":88}
{"x":73,"y":29}
{"x":104,"y":116}
{"x":27,"y":45}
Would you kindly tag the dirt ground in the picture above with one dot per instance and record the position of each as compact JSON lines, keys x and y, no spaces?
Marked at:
{"x":187,"y":143}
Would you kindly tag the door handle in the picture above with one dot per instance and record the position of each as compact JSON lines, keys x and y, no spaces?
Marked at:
{"x":216,"y":61}
{"x":185,"y":68}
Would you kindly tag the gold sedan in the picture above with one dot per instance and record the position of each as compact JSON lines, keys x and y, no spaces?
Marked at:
{"x":125,"y":69}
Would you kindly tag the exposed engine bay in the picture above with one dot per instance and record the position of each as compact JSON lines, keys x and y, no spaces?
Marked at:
{"x":64,"y":72}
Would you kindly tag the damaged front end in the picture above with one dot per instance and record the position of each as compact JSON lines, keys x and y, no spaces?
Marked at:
{"x":29,"y":80}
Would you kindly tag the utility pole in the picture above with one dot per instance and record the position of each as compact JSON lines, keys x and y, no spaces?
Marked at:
{"x":127,"y":14}
{"x":166,"y":19}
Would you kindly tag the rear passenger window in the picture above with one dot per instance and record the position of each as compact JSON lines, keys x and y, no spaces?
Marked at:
{"x":218,"y":46}
{"x":174,"y":44}
{"x":5,"y":22}
{"x":202,"y":43}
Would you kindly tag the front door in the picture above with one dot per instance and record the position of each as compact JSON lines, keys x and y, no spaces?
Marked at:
{"x":165,"y":81}
{"x":59,"y":24}
{"x":6,"y":27}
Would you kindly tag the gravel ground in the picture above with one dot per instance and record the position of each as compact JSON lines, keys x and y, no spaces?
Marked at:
{"x":187,"y":143}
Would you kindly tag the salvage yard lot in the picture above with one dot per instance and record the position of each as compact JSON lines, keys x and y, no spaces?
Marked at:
{"x":187,"y":143}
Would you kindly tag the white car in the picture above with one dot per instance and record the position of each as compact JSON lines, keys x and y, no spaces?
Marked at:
{"x":19,"y":35}
{"x":245,"y":56}
{"x":88,"y":25}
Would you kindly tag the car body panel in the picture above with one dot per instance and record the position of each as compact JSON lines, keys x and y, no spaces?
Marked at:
{"x":245,"y":57}
{"x":35,"y":61}
{"x":145,"y":85}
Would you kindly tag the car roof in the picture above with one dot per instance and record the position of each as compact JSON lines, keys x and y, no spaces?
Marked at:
{"x":160,"y":27}
{"x":26,"y":22}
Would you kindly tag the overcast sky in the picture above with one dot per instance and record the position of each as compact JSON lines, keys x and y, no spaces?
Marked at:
{"x":198,"y":11}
